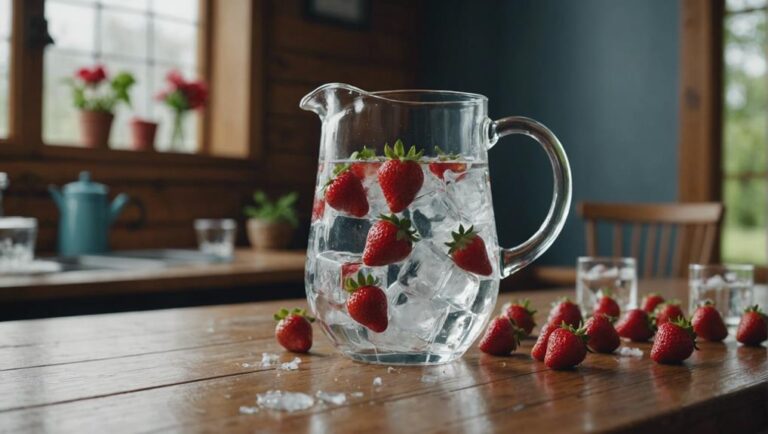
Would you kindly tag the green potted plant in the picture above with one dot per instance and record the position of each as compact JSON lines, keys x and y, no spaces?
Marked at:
{"x":270,"y":224}
{"x":96,"y":96}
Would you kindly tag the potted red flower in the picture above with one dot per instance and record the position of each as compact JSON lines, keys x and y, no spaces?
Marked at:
{"x":182,"y":96}
{"x":96,"y":96}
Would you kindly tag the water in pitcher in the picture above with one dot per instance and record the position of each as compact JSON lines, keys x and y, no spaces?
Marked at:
{"x":435,"y":308}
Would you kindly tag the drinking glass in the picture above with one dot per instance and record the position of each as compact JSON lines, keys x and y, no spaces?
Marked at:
{"x":17,"y":242}
{"x":596,"y":277}
{"x":216,"y":237}
{"x":729,"y":286}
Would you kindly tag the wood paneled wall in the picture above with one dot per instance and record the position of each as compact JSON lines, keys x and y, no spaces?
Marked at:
{"x":299,"y":55}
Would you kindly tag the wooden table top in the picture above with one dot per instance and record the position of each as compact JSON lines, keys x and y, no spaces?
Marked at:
{"x":192,"y":369}
{"x":248,"y":267}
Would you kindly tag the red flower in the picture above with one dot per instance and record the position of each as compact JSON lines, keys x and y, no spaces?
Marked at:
{"x":92,"y":76}
{"x":174,"y":77}
{"x":194,"y":93}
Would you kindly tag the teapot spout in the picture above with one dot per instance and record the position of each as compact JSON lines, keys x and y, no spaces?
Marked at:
{"x":58,"y":199}
{"x":118,"y":203}
{"x":331,"y":98}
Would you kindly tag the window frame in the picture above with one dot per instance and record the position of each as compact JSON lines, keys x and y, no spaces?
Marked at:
{"x":25,"y":139}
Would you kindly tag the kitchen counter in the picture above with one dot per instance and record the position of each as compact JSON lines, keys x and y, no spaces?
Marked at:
{"x":248,"y":268}
{"x":199,"y":370}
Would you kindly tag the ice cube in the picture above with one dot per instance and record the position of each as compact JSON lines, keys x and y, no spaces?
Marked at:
{"x":347,"y":234}
{"x":284,"y":401}
{"x":425,"y":269}
{"x":345,"y":332}
{"x":486,"y":297}
{"x":434,"y":217}
{"x":377,"y":382}
{"x":333,"y":268}
{"x":470,"y":194}
{"x":377,"y":204}
{"x":630,"y":352}
{"x":459,"y":288}
{"x":269,"y":359}
{"x":416,"y":316}
{"x":331,"y":397}
{"x":455,"y":330}
{"x":244,"y":409}
{"x":293,"y":365}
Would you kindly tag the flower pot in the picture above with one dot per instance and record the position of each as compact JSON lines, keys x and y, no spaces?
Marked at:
{"x":268,"y":235}
{"x":94,"y":128}
{"x":143,"y":134}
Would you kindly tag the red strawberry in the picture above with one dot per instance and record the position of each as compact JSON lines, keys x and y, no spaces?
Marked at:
{"x":318,"y":209}
{"x":651,"y":301}
{"x":708,"y":323}
{"x":565,"y":311}
{"x":522,"y":315}
{"x":345,"y":193}
{"x":468,"y":251}
{"x":674,"y":342}
{"x":566,"y":347}
{"x":367,"y":303}
{"x":501,"y":338}
{"x":539,"y":349}
{"x":349,"y":269}
{"x":364,"y":168}
{"x":389,"y":240}
{"x":667,"y":312}
{"x":753,"y":328}
{"x":400,"y":176}
{"x":293,"y":330}
{"x":636,"y":326}
{"x":606,"y":305}
{"x":446,"y":162}
{"x":603,"y":338}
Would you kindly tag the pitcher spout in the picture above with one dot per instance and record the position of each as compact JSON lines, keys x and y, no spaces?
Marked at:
{"x":331,"y":98}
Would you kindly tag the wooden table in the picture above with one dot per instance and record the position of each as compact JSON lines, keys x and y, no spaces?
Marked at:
{"x":192,"y":369}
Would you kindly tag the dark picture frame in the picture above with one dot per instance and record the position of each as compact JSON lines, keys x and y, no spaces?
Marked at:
{"x":353,"y":14}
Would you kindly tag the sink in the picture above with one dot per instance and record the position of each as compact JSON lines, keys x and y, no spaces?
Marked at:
{"x":136,"y":260}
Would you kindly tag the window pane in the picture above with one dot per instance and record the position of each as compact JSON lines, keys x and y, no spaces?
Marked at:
{"x":60,"y":120}
{"x":124,"y":34}
{"x":72,"y":26}
{"x":740,"y":5}
{"x":181,"y":9}
{"x":139,"y":5}
{"x":164,"y":115}
{"x":5,"y":19}
{"x":744,"y":230}
{"x":175,"y":42}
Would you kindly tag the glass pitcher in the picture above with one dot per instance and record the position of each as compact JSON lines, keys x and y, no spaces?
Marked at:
{"x":395,"y":273}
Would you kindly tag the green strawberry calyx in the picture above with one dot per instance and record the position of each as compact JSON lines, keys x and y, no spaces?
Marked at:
{"x":755,"y":309}
{"x":606,"y":293}
{"x":561,"y":300}
{"x":404,"y":229}
{"x":461,"y":238}
{"x":444,"y":156}
{"x":685,"y":324}
{"x":397,"y":152}
{"x":285,"y":313}
{"x":580,"y":332}
{"x":526,"y":305}
{"x":351,"y":285}
{"x":517,"y":332}
{"x":363,"y":154}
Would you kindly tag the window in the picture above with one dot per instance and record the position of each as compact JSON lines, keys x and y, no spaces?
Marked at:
{"x":745,"y":132}
{"x":147,"y":38}
{"x":5,"y":55}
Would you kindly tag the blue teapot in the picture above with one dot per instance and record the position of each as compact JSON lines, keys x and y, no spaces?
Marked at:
{"x":85,"y":215}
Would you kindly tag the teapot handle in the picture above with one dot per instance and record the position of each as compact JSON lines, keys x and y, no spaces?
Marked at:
{"x":515,"y":258}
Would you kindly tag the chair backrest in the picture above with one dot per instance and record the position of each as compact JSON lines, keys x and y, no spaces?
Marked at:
{"x":695,"y":227}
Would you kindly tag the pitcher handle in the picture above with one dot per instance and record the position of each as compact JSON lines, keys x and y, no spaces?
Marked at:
{"x":517,"y":257}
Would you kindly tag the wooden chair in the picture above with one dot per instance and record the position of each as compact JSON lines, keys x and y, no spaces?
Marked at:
{"x":695,"y":227}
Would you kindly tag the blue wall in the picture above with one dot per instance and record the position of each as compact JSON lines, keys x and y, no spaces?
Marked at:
{"x":602,"y":74}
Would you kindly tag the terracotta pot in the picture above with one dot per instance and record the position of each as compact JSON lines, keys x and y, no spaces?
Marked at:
{"x":143,"y":134}
{"x":267,"y":235}
{"x":94,"y":128}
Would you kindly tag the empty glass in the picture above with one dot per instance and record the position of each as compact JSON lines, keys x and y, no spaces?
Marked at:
{"x":216,"y":237}
{"x":17,"y":242}
{"x":728,"y":286}
{"x":596,"y":277}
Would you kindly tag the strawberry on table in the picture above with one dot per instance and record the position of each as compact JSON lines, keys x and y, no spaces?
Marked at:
{"x":400,"y":177}
{"x":565,"y":311}
{"x":521,"y":314}
{"x":502,"y":337}
{"x":389,"y":240}
{"x":539,"y":349}
{"x":367,"y":303}
{"x":345,"y":192}
{"x":468,"y":251}
{"x":606,"y":305}
{"x":636,"y":325}
{"x":367,"y":165}
{"x":445,"y":163}
{"x":753,"y":327}
{"x":603,"y":338}
{"x":651,"y":301}
{"x":674,"y":342}
{"x":566,"y":347}
{"x":294,"y":330}
{"x":708,"y":324}
{"x":668,"y":311}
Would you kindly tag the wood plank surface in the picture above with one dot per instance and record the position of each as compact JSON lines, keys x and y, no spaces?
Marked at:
{"x":190,"y":370}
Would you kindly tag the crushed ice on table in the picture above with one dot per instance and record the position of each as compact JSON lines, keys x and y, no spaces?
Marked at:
{"x":293,"y":365}
{"x":429,"y":379}
{"x":391,"y":370}
{"x":245,"y":409}
{"x":269,"y":359}
{"x":377,"y":382}
{"x":331,"y":397}
{"x":356,"y":394}
{"x":630,"y":352}
{"x":284,"y":401}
